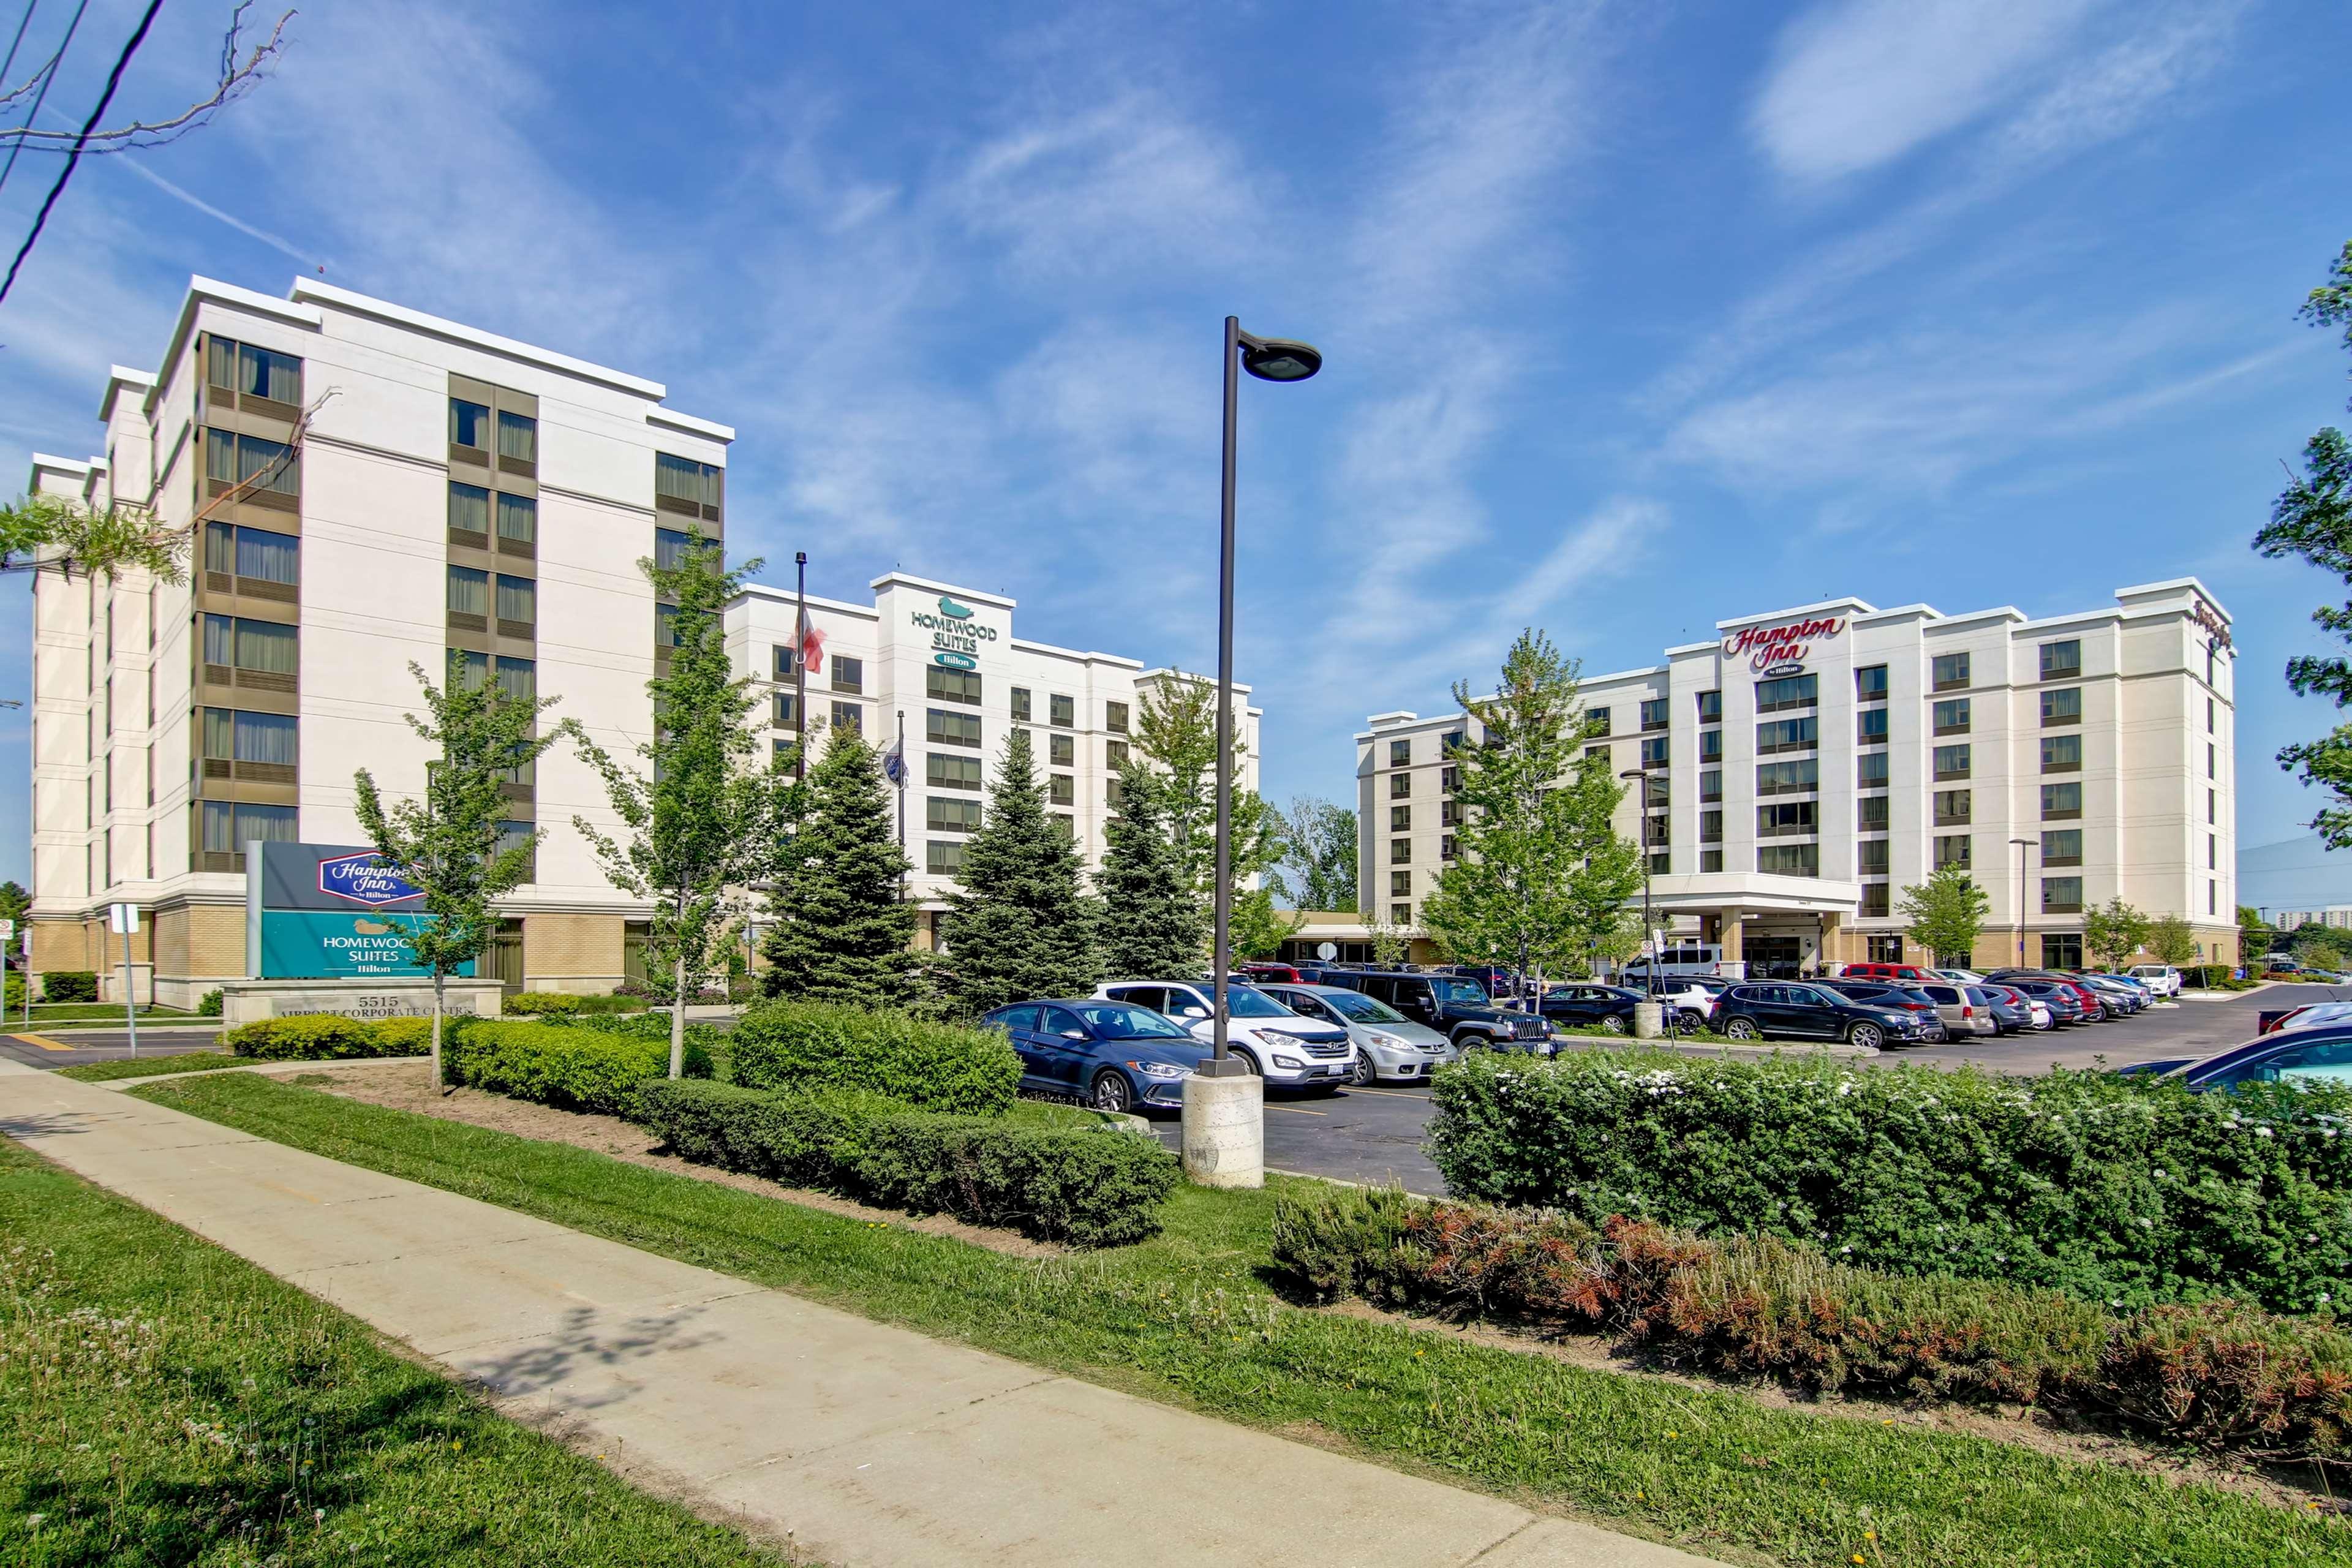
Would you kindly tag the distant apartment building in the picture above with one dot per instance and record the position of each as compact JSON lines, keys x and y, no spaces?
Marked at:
{"x":2337,"y":917}
{"x":1806,"y":764}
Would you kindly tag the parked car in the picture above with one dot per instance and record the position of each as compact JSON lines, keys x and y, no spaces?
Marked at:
{"x":1790,"y":1010}
{"x":1584,"y":1005}
{"x":2308,"y":1055}
{"x":1959,"y":976}
{"x":2035,"y":1010}
{"x":2160,"y":978}
{"x":2065,"y":1003}
{"x":2095,"y":1006}
{"x":1276,"y":1043}
{"x":2121,"y":996}
{"x":1455,"y":1006}
{"x":1682,"y":993}
{"x":1908,"y":973}
{"x":1115,"y":1055}
{"x":1964,"y":1009}
{"x":1389,"y":1045}
{"x":1259,"y":969}
{"x":1499,"y":981}
{"x":2311,"y":1014}
{"x":1888,"y":993}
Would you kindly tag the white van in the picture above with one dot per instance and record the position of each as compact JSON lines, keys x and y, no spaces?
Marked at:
{"x":1679,"y":958}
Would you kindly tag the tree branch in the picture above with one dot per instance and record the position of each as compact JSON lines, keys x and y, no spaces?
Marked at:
{"x":238,"y":77}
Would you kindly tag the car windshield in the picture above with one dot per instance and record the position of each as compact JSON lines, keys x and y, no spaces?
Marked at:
{"x":1363,"y":1009}
{"x":1243,"y":1001}
{"x":1125,"y":1021}
{"x":1452,"y":990}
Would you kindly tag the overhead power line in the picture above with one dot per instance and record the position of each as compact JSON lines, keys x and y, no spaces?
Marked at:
{"x":57,"y":62}
{"x":17,"y":42}
{"x":73,"y":159}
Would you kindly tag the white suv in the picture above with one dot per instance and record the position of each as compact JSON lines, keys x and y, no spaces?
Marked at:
{"x":1280,"y":1046}
{"x":2161,"y":979}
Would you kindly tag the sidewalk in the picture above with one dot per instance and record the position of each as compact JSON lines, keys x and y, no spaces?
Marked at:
{"x":860,"y":1443}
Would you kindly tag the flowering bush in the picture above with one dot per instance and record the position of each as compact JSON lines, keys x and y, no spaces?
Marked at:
{"x":2119,"y":1190}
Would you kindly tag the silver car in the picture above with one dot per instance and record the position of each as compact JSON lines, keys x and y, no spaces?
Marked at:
{"x":1388,"y":1044}
{"x":1962,"y":1013}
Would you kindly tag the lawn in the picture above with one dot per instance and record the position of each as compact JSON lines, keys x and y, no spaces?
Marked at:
{"x":149,"y":1067}
{"x":91,"y":1013}
{"x":1189,"y":1320}
{"x":163,"y":1402}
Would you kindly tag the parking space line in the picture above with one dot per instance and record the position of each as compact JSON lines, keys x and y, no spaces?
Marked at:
{"x":46,"y":1045}
{"x":1297,"y":1110}
{"x":1386,"y":1093}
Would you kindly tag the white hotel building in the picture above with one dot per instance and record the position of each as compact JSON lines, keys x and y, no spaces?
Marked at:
{"x":423,"y":488}
{"x":1810,"y":763}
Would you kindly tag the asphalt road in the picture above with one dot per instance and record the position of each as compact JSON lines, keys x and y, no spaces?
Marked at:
{"x":73,"y":1048}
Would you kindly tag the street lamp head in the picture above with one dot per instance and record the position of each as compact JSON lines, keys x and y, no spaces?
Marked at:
{"x":1274,"y":359}
{"x":1634,"y":773}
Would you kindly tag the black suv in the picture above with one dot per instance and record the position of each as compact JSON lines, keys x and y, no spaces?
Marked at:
{"x":1786,"y":1010}
{"x":1455,"y":1006}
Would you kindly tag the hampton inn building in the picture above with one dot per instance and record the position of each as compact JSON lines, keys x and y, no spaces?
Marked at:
{"x":368,"y":487}
{"x":1810,"y":762}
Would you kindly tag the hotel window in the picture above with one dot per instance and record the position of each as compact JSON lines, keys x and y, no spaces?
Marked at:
{"x":230,"y":826}
{"x":1952,"y":718}
{"x":1870,"y":855}
{"x":1870,"y":811}
{"x":469,"y":597}
{"x":950,"y":772}
{"x":1062,"y":751}
{"x":1449,"y":813}
{"x":1596,"y":722}
{"x":518,"y":437}
{"x":1790,"y":817}
{"x":1710,"y":745}
{"x":1788,"y":778}
{"x":1870,"y":726}
{"x":1710,"y":859}
{"x":1657,"y":830}
{"x":1114,"y":755}
{"x":469,"y":425}
{"x":1951,"y":762}
{"x":470,"y":512}
{"x":2062,"y":661}
{"x":1710,"y":785}
{"x":266,"y":561}
{"x":1399,"y":785}
{"x":1710,"y":707}
{"x":1399,"y":884}
{"x":518,"y":678}
{"x":669,"y":554}
{"x":517,"y":606}
{"x":1788,"y":860}
{"x":2212,"y":851}
{"x":1656,"y":791}
{"x":2062,"y":754}
{"x":1875,"y":906}
{"x":270,"y":466}
{"x":1449,"y":778}
{"x":1114,"y":791}
{"x":1654,"y":713}
{"x":1886,"y":949}
{"x":1661,"y":862}
{"x":1787,"y":692}
{"x":849,"y":716}
{"x":238,"y":744}
{"x":1399,"y":850}
{"x":2209,"y":701}
{"x":262,"y":655}
{"x":2062,"y":950}
{"x":1653,"y":751}
{"x":468,"y":670}
{"x":1599,"y":754}
{"x":787,"y":713}
{"x":950,"y":815}
{"x":1401,"y":914}
{"x":1953,"y":850}
{"x":2212,"y":761}
{"x":1021,"y":703}
{"x":1062,"y":712}
{"x":2062,"y":895}
{"x":782,"y":748}
{"x":1399,"y":753}
{"x":664,"y":626}
{"x":1445,"y":847}
{"x":1451,"y":743}
{"x":1710,"y":827}
{"x":256,"y":372}
{"x":1952,"y":807}
{"x":519,"y":836}
{"x":2212,"y":808}
{"x":953,"y":686}
{"x":1870,"y":683}
{"x":2061,"y":705}
{"x":1114,"y":718}
{"x":683,"y":485}
{"x":2061,"y":802}
{"x":1951,"y":671}
{"x":848,"y":674}
{"x":1400,"y":819}
{"x":1788,"y":735}
{"x":517,"y":524}
{"x":2063,"y":847}
{"x":2212,"y":895}
{"x":943,"y":856}
{"x":951,"y":729}
{"x":787,"y":668}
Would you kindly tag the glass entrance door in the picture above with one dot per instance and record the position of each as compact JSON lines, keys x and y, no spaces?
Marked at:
{"x":1772,"y":957}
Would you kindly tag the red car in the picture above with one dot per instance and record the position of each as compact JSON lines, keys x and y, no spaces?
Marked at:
{"x":1906,"y":973}
{"x":1266,"y":970}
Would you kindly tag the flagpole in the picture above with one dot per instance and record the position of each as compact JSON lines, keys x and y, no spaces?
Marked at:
{"x":800,"y":670}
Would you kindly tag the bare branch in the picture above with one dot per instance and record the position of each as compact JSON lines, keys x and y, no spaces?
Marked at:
{"x":237,"y":76}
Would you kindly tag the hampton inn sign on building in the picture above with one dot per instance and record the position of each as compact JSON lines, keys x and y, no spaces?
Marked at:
{"x":1807,"y":763}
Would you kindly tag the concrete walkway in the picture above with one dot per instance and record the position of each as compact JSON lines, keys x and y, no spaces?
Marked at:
{"x":858,"y":1443}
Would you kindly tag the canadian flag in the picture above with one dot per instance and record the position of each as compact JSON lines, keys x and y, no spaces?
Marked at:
{"x":811,"y":642}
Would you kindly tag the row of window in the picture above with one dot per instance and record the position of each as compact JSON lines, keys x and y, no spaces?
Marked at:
{"x":233,"y":458}
{"x":944,"y":857}
{"x":844,"y":716}
{"x":473,"y":507}
{"x":470,"y":426}
{"x":515,"y":599}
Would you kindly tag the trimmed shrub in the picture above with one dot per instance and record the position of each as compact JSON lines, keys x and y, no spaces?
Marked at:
{"x":1339,"y":1241}
{"x":2225,"y":1376}
{"x":2121,"y":1191}
{"x":409,"y":1037}
{"x":1087,"y":1187}
{"x":68,"y":985}
{"x":313,"y":1037}
{"x":208,"y":1006}
{"x":934,"y":1066}
{"x":576,"y":1069}
{"x":540,"y":1003}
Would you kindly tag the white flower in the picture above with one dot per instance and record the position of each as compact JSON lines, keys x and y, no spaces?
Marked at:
{"x":2147,"y":1224}
{"x":2324,"y":1297}
{"x":1844,"y":1250}
{"x":2261,"y":1131}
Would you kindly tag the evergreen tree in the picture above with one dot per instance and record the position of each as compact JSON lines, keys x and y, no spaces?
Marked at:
{"x":1021,"y":924}
{"x":1152,"y":923}
{"x":843,"y":926}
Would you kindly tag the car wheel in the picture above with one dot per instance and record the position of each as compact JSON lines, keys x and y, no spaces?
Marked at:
{"x":1112,"y":1092}
{"x":1614,"y":1025}
{"x":1869,"y":1036}
{"x":1249,"y":1062}
{"x":2044,"y":1025}
{"x":1363,"y":1074}
{"x":1743,"y":1029}
{"x":1691,"y":1022}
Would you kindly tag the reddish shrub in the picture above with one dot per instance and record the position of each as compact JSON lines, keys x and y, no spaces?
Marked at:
{"x":2223,"y":1375}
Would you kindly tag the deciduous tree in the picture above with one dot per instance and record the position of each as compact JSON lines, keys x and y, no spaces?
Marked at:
{"x":2113,"y":932}
{"x":1317,"y":871}
{"x":1945,"y":914}
{"x":2172,"y":940}
{"x":1020,"y":923}
{"x":842,"y":925}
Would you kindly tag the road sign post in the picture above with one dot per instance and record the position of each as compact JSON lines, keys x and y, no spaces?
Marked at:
{"x":124,"y":917}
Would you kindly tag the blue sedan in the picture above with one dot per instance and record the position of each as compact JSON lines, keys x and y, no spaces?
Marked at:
{"x":2318,"y":1055}
{"x":1114,"y":1056}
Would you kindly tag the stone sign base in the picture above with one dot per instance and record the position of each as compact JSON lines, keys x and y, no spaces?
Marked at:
{"x":243,"y":1001}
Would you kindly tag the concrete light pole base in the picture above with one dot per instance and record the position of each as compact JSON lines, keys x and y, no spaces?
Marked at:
{"x":1224,"y":1131}
{"x":1649,"y":1020}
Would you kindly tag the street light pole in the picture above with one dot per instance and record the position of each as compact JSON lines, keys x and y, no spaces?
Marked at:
{"x":2022,"y":845}
{"x":1221,"y":1063}
{"x":1650,"y":967}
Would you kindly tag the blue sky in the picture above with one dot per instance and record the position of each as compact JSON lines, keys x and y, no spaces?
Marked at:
{"x":1635,"y":317}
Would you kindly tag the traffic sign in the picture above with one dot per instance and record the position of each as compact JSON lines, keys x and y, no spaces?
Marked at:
{"x":1328,"y":951}
{"x":123,"y":919}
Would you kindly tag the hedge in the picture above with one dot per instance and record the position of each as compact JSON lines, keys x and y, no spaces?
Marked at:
{"x":325,"y":1036}
{"x":1087,"y":1187}
{"x":935,"y":1066}
{"x":2218,"y":1375}
{"x":556,"y":1064}
{"x":540,"y":1003}
{"x":69,"y":986}
{"x":2121,"y":1191}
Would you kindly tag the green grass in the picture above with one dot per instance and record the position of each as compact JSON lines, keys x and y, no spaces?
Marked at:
{"x":1187,"y":1318}
{"x":149,"y":1067}
{"x":163,"y":1402}
{"x":91,"y":1012}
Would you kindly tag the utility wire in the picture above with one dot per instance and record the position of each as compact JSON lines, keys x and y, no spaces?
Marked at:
{"x":113,"y":80}
{"x":24,"y":22}
{"x":46,"y":82}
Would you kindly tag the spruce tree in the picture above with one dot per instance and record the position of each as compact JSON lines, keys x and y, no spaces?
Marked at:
{"x":1021,"y":925}
{"x":1152,"y":924}
{"x":842,"y":928}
